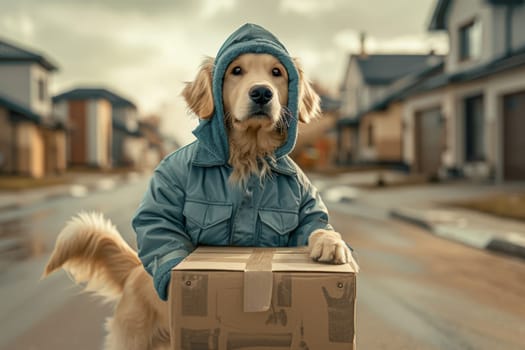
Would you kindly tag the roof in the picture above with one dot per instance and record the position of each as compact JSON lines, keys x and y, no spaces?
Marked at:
{"x":405,"y":87}
{"x":385,"y":69}
{"x":22,"y":113}
{"x":89,"y":93}
{"x":13,"y":53}
{"x":19,"y":111}
{"x":438,"y":19}
{"x":434,"y":78}
{"x":504,"y":63}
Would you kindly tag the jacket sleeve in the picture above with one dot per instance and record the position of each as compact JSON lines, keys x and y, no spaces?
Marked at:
{"x":313,"y":214}
{"x":159,"y":224}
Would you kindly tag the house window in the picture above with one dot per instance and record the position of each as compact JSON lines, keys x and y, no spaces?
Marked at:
{"x":370,"y":135}
{"x":41,"y":89}
{"x":474,"y":129}
{"x":470,"y":41}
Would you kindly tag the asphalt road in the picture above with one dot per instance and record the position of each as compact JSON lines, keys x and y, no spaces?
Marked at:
{"x":415,"y":291}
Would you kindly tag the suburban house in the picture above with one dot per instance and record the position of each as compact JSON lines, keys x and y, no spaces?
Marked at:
{"x":369,"y":130}
{"x":464,"y":116}
{"x":104,"y":127}
{"x":468,"y":120}
{"x":32,"y":139}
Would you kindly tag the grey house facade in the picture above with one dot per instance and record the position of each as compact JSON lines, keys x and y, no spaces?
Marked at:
{"x":469,"y":121}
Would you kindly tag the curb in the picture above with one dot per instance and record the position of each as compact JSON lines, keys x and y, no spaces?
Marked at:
{"x":480,"y":240}
{"x":412,"y":219}
{"x":506,"y":247}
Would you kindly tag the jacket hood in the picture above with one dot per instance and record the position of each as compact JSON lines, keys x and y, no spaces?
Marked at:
{"x":211,"y":133}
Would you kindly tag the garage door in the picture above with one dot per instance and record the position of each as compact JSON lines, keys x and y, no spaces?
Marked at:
{"x":429,"y":132}
{"x":514,"y":137}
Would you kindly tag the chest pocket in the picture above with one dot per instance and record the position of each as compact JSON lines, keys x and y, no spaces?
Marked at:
{"x":208,"y":223}
{"x":275,"y":227}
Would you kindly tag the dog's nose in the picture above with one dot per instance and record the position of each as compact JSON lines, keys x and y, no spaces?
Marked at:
{"x":261,"y":94}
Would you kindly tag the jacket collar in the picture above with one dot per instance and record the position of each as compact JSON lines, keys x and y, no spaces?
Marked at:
{"x":206,"y":157}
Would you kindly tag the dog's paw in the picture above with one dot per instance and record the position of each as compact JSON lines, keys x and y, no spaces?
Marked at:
{"x":328,"y":247}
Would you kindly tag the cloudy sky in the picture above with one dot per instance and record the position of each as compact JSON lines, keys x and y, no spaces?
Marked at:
{"x":146,"y":49}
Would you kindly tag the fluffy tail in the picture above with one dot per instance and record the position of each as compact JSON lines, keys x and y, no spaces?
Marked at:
{"x":92,"y":251}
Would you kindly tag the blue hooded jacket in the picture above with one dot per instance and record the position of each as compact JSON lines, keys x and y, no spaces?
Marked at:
{"x":189,"y":201}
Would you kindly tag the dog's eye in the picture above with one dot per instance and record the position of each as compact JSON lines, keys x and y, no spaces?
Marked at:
{"x":276,"y":72}
{"x":237,"y":70}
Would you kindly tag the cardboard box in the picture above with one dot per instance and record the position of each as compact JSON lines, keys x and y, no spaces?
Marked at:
{"x":261,"y":298}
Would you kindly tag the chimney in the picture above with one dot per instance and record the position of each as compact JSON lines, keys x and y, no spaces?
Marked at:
{"x":433,"y":58}
{"x":362,"y":39}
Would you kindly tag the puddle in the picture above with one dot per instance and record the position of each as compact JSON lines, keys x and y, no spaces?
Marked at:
{"x":20,"y":239}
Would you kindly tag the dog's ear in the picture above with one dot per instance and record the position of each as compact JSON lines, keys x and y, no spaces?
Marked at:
{"x":198,"y":93}
{"x":309,"y":101}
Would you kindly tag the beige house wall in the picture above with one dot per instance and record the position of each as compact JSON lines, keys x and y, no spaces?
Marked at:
{"x":61,"y":144}
{"x":99,"y":132}
{"x":106,"y":133}
{"x":23,"y":147}
{"x":30,"y":150}
{"x":386,"y":133}
{"x":55,"y":151}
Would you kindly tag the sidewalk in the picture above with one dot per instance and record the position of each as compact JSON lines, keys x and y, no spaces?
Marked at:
{"x":468,"y":227}
{"x":82,"y":184}
{"x":429,"y":206}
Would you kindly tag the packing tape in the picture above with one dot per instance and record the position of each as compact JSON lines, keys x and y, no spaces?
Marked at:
{"x":258,"y":280}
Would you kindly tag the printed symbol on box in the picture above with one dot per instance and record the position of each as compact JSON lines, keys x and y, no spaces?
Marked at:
{"x":277,"y":317}
{"x":340,"y":314}
{"x":196,"y":339}
{"x":284,"y":292}
{"x":194,"y":294}
{"x":284,"y":299}
{"x":302,"y":344}
{"x":237,"y":340}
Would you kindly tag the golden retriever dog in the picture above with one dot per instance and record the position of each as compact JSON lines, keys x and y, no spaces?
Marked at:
{"x":93,"y":252}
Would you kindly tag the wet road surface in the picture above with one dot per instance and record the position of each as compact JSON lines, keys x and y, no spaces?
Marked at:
{"x":415,"y":291}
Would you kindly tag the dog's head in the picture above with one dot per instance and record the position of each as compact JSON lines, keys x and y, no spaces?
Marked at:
{"x":255,"y":87}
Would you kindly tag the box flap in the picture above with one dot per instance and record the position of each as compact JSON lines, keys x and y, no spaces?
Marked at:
{"x":294,"y":259}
